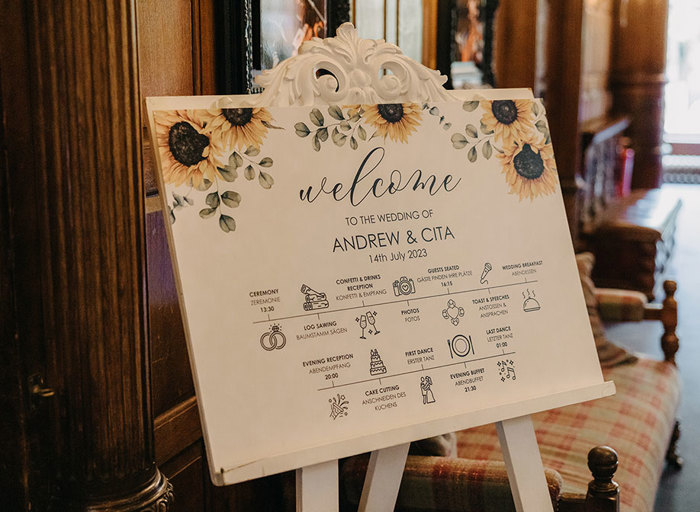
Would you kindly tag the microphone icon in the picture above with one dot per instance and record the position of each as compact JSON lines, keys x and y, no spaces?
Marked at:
{"x":487,"y":269}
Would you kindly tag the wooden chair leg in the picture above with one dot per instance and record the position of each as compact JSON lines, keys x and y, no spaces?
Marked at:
{"x":672,"y":458}
{"x":669,"y":318}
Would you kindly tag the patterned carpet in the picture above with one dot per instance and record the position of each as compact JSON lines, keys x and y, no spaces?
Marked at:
{"x":679,"y":490}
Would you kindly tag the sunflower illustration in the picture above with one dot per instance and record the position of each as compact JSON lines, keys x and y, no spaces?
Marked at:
{"x":397,"y":120}
{"x":530,"y":168}
{"x":187,"y":152}
{"x":510,"y":120}
{"x":238,"y":127}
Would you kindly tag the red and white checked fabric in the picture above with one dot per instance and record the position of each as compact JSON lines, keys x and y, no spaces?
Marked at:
{"x":637,"y":422}
{"x":444,"y":484}
{"x":620,"y":305}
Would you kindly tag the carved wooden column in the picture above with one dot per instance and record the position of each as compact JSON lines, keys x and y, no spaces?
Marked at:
{"x":562,"y":99}
{"x":75,"y":160}
{"x":637,"y":79}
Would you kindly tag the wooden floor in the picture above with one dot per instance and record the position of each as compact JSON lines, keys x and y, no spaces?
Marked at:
{"x":679,"y":490}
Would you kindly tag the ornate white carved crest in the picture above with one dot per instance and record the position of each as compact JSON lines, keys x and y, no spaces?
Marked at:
{"x":345,"y":70}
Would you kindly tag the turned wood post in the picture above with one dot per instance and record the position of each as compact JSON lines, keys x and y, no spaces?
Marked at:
{"x":71,"y":91}
{"x":603,"y":492}
{"x":669,"y":318}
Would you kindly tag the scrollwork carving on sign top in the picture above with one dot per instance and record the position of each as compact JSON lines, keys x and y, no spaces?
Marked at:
{"x":345,"y":70}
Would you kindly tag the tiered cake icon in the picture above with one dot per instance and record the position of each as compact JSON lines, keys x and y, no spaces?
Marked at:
{"x":376,"y":365}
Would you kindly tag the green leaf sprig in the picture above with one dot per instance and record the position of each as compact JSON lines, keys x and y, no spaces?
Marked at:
{"x":473,"y":137}
{"x":435,"y":111}
{"x":178,"y":203}
{"x":347,"y":128}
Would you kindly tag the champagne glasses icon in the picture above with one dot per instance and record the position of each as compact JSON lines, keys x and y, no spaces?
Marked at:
{"x":363,"y":325}
{"x":371,"y":320}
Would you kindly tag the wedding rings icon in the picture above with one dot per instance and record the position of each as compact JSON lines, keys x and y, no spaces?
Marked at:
{"x":273,"y":339}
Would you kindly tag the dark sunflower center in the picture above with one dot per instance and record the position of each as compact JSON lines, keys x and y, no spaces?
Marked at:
{"x":504,"y":111}
{"x":391,"y":112}
{"x":186,"y":143}
{"x":238,"y":116}
{"x":528,"y":164}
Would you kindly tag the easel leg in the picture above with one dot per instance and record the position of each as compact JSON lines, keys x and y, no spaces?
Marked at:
{"x":317,"y":488}
{"x":383,"y":479}
{"x":524,"y":464}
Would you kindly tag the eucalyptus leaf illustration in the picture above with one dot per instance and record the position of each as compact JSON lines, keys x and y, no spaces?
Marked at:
{"x":316,"y":117}
{"x":252,"y":151}
{"x":266,"y":181}
{"x":472,"y":154}
{"x":178,"y":200}
{"x":541,"y":126}
{"x":235,"y":159}
{"x":471,"y":131}
{"x":470,"y":106}
{"x":188,"y":200}
{"x":315,"y":143}
{"x":213,"y":200}
{"x":338,"y":138}
{"x":336,"y":112}
{"x":301,"y":129}
{"x":458,"y":140}
{"x":323,"y":134}
{"x":535,"y":108}
{"x":228,"y":173}
{"x":434,"y":111}
{"x":171,"y":215}
{"x":207,"y":212}
{"x":361,"y":133}
{"x":231,"y":199}
{"x":353,"y":143}
{"x":446,"y":126}
{"x":487,"y":150}
{"x":204,"y":185}
{"x":265,"y":162}
{"x":226,"y":223}
{"x":249,"y":173}
{"x":485,"y":129}
{"x":345,"y":126}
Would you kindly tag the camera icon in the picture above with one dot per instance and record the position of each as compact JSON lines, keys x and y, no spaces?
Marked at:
{"x":404,"y":286}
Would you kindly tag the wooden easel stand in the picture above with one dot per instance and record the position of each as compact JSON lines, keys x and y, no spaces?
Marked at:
{"x":317,"y":486}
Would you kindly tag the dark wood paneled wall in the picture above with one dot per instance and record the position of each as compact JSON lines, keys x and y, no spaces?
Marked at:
{"x":14,"y":466}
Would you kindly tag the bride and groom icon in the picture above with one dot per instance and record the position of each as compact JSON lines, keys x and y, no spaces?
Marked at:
{"x":425,"y":385}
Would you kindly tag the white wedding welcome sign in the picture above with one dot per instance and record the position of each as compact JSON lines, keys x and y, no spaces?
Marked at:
{"x":357,"y":276}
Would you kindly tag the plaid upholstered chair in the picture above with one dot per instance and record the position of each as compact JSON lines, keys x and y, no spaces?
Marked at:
{"x":465,"y":471}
